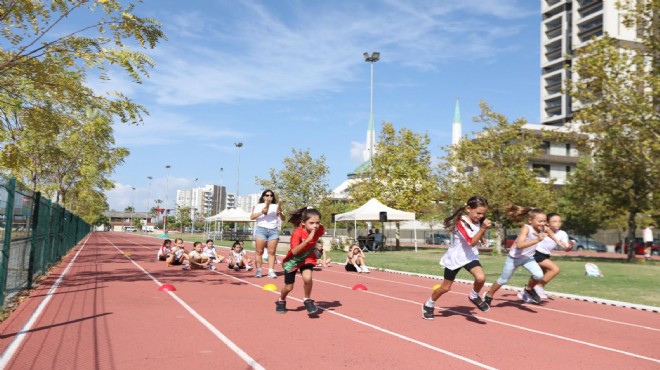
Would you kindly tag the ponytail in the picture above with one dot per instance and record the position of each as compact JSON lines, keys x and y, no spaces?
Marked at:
{"x":302,"y":214}
{"x":517,"y":213}
{"x":473,"y":202}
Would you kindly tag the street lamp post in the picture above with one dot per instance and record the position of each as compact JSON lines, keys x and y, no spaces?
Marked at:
{"x":238,"y":176}
{"x":167,"y":180}
{"x":371,"y":59}
{"x":146,"y":220}
{"x":133,"y":206}
{"x":192,"y":207}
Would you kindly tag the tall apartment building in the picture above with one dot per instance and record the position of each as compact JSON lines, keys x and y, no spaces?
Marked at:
{"x":566,"y":26}
{"x":206,"y":201}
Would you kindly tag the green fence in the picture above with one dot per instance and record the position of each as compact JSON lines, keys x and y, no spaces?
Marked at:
{"x":34,"y":234}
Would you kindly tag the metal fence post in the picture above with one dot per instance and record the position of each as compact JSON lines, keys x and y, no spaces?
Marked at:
{"x":35,"y":238}
{"x":9,"y":217}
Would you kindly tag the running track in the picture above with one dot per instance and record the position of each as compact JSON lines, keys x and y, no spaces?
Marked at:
{"x":103,"y":310}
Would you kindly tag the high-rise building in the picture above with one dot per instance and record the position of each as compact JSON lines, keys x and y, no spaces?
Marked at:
{"x":205,"y":201}
{"x":567,"y":25}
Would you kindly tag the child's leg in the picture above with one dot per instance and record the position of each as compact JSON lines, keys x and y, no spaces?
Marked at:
{"x":289,"y":281}
{"x":444,"y":288}
{"x":550,"y":270}
{"x":537,"y":274}
{"x":308,"y":283}
{"x":479,"y":278}
{"x":507,"y":271}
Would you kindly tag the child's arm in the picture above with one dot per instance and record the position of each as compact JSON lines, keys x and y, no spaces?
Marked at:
{"x":310,"y":241}
{"x":485,"y":225}
{"x":522,"y":244}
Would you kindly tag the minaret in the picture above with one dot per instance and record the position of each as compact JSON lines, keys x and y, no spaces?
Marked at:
{"x":456,"y":130}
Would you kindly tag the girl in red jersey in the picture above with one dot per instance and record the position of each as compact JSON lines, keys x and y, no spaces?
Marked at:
{"x":301,"y":256}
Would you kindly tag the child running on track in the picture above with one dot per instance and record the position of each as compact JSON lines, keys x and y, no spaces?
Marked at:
{"x":543,"y":251}
{"x":164,"y":250}
{"x":468,"y":225}
{"x":523,"y":250}
{"x":301,"y":256}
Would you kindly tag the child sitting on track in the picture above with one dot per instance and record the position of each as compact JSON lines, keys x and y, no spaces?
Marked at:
{"x":355,"y":259}
{"x":198,"y":259}
{"x":238,"y":259}
{"x":178,"y":255}
{"x":165,"y":250}
{"x":322,"y":258}
{"x":210,"y":251}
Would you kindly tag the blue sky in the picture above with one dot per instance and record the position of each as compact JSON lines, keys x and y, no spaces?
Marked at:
{"x":277,"y":75}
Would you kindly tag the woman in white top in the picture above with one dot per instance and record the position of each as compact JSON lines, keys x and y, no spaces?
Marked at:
{"x":543,"y":251}
{"x":522,"y":252}
{"x":268,"y":215}
{"x":468,"y":224}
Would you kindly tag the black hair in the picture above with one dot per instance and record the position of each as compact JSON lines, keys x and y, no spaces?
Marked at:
{"x":167,"y":241}
{"x":552,"y":214}
{"x":235,"y":244}
{"x":473,"y":202}
{"x":303,"y":214}
{"x":195,"y":244}
{"x":261,"y":199}
{"x":209,"y":240}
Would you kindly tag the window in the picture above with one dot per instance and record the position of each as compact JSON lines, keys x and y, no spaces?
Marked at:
{"x":568,"y":169}
{"x":543,"y":170}
{"x":568,"y":150}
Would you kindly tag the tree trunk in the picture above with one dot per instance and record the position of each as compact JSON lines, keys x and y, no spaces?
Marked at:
{"x":630,"y":239}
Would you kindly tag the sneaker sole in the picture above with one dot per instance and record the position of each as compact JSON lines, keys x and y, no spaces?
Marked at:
{"x":480,"y":309}
{"x":424,"y":314}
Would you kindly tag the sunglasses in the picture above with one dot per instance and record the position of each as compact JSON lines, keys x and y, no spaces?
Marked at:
{"x":268,"y":195}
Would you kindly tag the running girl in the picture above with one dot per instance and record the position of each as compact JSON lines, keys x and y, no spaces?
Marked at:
{"x":468,"y":225}
{"x":301,"y":256}
{"x":522,"y":251}
{"x":543,"y":251}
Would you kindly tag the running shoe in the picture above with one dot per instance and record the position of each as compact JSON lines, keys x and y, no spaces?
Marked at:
{"x":280,"y":306}
{"x":483,"y":306}
{"x":310,"y":306}
{"x":185,"y":267}
{"x":271,"y":274}
{"x":211,"y":267}
{"x":248,"y":268}
{"x":427,"y":312}
{"x":237,"y":267}
{"x":365,"y":269}
{"x":487,"y":299}
{"x":258,"y":273}
{"x":541,"y":292}
{"x":532,"y":294}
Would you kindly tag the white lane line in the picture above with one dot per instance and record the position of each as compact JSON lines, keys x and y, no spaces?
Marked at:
{"x":242,"y":354}
{"x":507,"y":324}
{"x":11,"y":349}
{"x":516,"y":303}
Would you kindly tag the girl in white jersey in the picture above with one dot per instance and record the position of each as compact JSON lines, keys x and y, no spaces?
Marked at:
{"x":522,"y":252}
{"x":468,"y":224}
{"x":543,"y":251}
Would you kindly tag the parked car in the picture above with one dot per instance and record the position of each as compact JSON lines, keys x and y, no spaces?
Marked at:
{"x":639,"y":247}
{"x":438,"y":239}
{"x":582,"y":244}
{"x":509,"y":240}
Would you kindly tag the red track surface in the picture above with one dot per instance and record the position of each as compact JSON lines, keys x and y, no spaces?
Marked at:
{"x":106,"y":312}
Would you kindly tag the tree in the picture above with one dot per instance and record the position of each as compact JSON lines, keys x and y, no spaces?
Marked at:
{"x":616,"y":101}
{"x":400,"y":174}
{"x":129,"y":209}
{"x":302,"y":182}
{"x":495,"y":165}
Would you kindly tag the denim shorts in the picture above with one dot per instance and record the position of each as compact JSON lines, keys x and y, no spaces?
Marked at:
{"x":266,"y":234}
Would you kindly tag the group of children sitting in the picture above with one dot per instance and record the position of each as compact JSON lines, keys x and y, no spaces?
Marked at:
{"x":203,"y":257}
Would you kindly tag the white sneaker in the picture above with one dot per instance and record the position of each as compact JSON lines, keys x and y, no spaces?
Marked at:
{"x":365,"y":269}
{"x":541,"y":292}
{"x":271,"y":274}
{"x":248,"y":268}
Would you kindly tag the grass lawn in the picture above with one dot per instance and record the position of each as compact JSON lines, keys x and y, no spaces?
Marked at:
{"x":628,"y":282}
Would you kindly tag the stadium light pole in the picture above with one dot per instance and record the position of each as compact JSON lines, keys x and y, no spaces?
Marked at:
{"x":239,"y":145}
{"x":167,"y":180}
{"x":371,"y":59}
{"x":146,"y":220}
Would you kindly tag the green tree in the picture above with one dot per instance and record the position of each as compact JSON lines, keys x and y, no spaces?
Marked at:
{"x":495,"y":165}
{"x":400,"y":174}
{"x":302,"y":182}
{"x":616,"y":100}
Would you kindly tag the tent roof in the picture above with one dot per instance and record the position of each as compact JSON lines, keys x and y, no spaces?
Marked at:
{"x":370,"y":211}
{"x":231,"y":214}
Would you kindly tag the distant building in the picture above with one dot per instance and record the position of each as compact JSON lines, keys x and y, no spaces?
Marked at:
{"x":205,"y":201}
{"x":121,"y":220}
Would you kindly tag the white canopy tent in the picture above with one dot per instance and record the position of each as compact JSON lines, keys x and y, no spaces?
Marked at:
{"x":371,"y":211}
{"x":229,"y":215}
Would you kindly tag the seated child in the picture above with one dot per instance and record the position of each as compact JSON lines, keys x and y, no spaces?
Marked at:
{"x":198,"y":259}
{"x":321,"y":258}
{"x":210,"y":251}
{"x":164,"y":250}
{"x":178,"y":255}
{"x":355,"y":259}
{"x":238,"y":258}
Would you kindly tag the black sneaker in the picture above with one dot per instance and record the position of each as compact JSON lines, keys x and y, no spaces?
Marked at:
{"x":236,"y":267}
{"x":487,"y":299}
{"x":531,"y":293}
{"x":280,"y":306}
{"x":427,"y":312}
{"x":483,"y":306}
{"x":310,"y":306}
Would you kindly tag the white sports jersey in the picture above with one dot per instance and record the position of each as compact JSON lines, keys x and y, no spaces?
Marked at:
{"x":547,"y":244}
{"x":529,"y":251}
{"x":209,"y":251}
{"x":460,"y":253}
